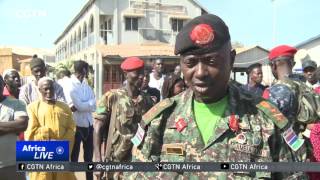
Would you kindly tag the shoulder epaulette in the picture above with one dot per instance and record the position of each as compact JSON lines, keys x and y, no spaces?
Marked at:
{"x":273,"y":113}
{"x":156,"y":110}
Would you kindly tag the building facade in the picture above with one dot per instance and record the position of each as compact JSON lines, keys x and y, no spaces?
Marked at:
{"x":307,"y":50}
{"x":123,"y":22}
{"x":13,"y":57}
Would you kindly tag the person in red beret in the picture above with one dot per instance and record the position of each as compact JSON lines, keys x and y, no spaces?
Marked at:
{"x":118,"y":115}
{"x":284,"y":93}
{"x":282,"y":61}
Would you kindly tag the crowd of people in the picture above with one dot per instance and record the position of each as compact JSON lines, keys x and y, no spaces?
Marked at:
{"x":195,"y":113}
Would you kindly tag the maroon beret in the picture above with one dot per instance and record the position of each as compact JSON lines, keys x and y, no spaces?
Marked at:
{"x":282,"y":50}
{"x":132,"y":63}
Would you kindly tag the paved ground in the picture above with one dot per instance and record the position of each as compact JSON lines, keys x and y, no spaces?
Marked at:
{"x":81,"y":175}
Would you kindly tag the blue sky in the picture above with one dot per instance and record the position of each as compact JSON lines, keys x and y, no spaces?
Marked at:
{"x":37,"y":23}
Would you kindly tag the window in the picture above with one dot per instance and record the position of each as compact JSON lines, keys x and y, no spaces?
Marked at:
{"x":131,"y":24}
{"x":176,"y":25}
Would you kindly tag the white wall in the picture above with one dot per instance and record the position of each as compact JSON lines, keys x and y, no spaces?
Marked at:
{"x":106,"y":6}
{"x":92,"y":11}
{"x":313,"y":50}
{"x":153,"y":20}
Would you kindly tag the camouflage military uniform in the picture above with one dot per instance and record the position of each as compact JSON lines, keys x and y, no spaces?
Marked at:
{"x":256,"y":124}
{"x":127,"y":114}
{"x":285,"y":97}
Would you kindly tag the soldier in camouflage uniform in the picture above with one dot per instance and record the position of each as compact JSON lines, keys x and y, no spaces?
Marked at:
{"x":117,"y":116}
{"x":174,"y":127}
{"x":284,"y":94}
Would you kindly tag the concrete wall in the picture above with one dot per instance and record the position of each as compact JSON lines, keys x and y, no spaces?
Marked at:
{"x":312,"y":50}
{"x":5,"y":59}
{"x":106,"y":6}
{"x":9,"y":60}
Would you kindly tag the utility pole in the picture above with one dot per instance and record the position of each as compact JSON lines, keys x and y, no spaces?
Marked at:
{"x":274,"y":22}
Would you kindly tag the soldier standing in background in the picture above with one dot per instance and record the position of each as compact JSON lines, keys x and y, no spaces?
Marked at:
{"x":118,"y":113}
{"x":284,"y":93}
{"x":213,"y":120}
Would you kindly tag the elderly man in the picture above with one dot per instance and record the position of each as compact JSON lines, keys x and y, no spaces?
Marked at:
{"x":50,"y":120}
{"x":118,"y":114}
{"x":30,"y":91}
{"x":255,"y":78}
{"x":13,"y":83}
{"x":211,"y":121}
{"x":13,"y":120}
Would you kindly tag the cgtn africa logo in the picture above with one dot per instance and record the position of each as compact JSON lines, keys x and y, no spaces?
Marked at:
{"x":42,"y":151}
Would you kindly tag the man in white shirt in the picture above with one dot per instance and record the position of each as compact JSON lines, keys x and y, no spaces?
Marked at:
{"x":309,"y":68}
{"x":157,"y":76}
{"x":80,"y":97}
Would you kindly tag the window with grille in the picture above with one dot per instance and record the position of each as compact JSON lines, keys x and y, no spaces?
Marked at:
{"x":176,"y":24}
{"x":131,"y":24}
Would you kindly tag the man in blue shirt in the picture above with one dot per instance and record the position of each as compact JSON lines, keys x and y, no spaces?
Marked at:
{"x":255,"y":78}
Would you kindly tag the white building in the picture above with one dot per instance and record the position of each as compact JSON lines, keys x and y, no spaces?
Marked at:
{"x":116,"y":23}
{"x":308,"y":50}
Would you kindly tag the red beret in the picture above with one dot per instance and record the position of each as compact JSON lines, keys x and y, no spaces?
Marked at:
{"x":282,"y":50}
{"x":132,"y":63}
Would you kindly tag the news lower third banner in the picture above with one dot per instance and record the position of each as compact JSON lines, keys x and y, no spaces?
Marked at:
{"x":168,"y":167}
{"x":42,"y":151}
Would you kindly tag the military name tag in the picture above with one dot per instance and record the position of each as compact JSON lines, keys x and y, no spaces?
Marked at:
{"x":292,"y":139}
{"x":248,"y":149}
{"x":173,"y":149}
{"x":138,"y":137}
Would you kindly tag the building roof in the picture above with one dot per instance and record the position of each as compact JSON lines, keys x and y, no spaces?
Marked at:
{"x":88,"y":5}
{"x":29,"y":51}
{"x":247,"y":60}
{"x":127,"y":50}
{"x":75,"y":19}
{"x":308,"y":41}
{"x":202,"y":7}
{"x":244,"y":49}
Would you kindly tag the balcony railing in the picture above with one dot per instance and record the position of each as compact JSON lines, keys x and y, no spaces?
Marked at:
{"x":158,"y":7}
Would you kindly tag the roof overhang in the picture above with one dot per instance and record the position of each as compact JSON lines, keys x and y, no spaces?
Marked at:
{"x":183,"y":17}
{"x":133,"y":15}
{"x":127,"y":50}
